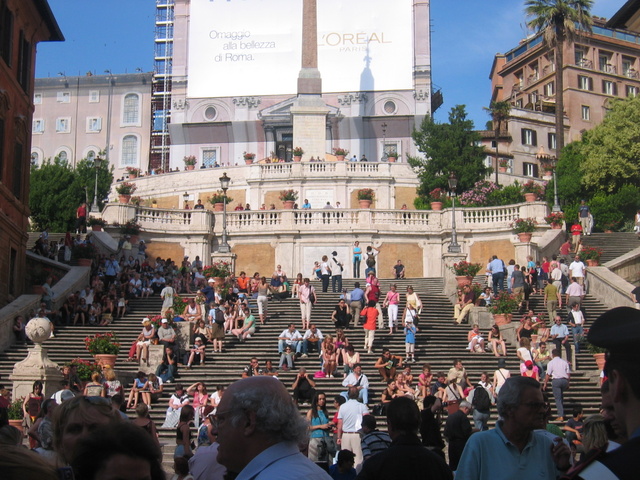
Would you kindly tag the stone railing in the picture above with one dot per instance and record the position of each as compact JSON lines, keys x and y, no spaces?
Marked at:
{"x":160,"y":220}
{"x":270,"y":171}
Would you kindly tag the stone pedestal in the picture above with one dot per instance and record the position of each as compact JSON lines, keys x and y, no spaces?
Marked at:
{"x":482,"y":317}
{"x":310,"y":125}
{"x":225,"y":257}
{"x":37,"y":365}
{"x":450,"y":282}
{"x":155,"y":358}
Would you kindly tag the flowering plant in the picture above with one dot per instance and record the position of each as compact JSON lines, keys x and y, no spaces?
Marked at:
{"x":190,"y":160}
{"x":136,"y":200}
{"x":179,"y":304}
{"x":14,"y":410}
{"x":555,"y":218}
{"x":393,"y":153}
{"x":503,"y":162}
{"x":133,"y":171}
{"x":504,"y":303}
{"x":465,"y":269}
{"x":366,"y":194}
{"x":130,"y":228}
{"x":288,"y":195}
{"x":218,"y":269}
{"x":341,"y":151}
{"x":478,"y":194}
{"x":436,"y":194}
{"x":590,"y":253}
{"x":126,"y":188}
{"x":248,"y":156}
{"x":524,"y":225}
{"x":156,"y":320}
{"x":102,"y":343}
{"x":533,"y":187}
{"x":96,"y":221}
{"x":219,"y":197}
{"x":84,"y":250}
{"x":298,"y":151}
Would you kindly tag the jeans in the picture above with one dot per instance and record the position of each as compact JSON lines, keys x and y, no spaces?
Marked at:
{"x":498,"y":282}
{"x":325,"y":282}
{"x":363,"y":395}
{"x":307,"y":346}
{"x":558,"y":386}
{"x":356,"y":268}
{"x":576,"y":332}
{"x":480,"y":420}
{"x":336,"y":283}
{"x":166,"y":372}
{"x":296,"y":346}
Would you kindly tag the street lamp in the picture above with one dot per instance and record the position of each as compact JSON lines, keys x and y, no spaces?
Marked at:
{"x":454,"y":247}
{"x":224,"y":185}
{"x":185,"y":197}
{"x":384,"y":142}
{"x":97,"y":162}
{"x":553,"y":161}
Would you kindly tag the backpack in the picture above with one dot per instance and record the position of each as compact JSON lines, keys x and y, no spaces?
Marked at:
{"x":564,"y":280}
{"x":374,"y":294}
{"x":371,"y":260}
{"x":481,"y":400}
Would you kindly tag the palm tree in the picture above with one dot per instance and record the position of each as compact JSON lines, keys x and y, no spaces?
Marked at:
{"x":560,"y":21}
{"x":499,"y":112}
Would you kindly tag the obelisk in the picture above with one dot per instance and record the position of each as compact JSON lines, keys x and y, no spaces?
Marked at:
{"x":309,"y":110}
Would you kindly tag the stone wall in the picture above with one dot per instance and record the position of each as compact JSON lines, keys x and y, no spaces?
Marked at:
{"x":256,"y":258}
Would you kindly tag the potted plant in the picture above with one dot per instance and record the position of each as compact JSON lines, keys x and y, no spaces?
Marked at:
{"x":125,"y":190}
{"x":591,"y":255}
{"x":435,"y":196}
{"x":83,"y":254}
{"x":465,"y":271}
{"x":555,"y":219}
{"x":502,"y":307}
{"x":503,"y":165}
{"x":340,"y":153}
{"x":133,"y":172}
{"x":15,"y":414}
{"x":532,"y":191}
{"x":84,"y":368}
{"x":96,"y":224}
{"x":248,"y":157}
{"x":289,"y":197}
{"x":366,"y":197}
{"x":598,"y":354}
{"x":218,"y":271}
{"x":392,"y":155}
{"x":104,"y":347}
{"x":297,"y":154}
{"x":190,"y":162}
{"x":218,"y":200}
{"x":136,"y":200}
{"x":524,"y":228}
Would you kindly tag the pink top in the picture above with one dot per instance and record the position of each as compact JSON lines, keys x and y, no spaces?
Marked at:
{"x":392,"y":298}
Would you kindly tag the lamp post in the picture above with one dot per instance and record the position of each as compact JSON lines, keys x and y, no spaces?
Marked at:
{"x":553,"y":161}
{"x":224,"y":185}
{"x":384,"y":142}
{"x":454,"y":247}
{"x":96,"y":163}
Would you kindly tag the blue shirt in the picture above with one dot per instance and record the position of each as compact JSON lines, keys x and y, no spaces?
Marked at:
{"x":410,"y":333}
{"x":491,"y":456}
{"x":560,"y":330}
{"x":306,"y":205}
{"x":284,"y":462}
{"x":496,"y":266}
{"x":357,"y":294}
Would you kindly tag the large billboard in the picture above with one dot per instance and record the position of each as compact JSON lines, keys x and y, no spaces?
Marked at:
{"x":253,"y":47}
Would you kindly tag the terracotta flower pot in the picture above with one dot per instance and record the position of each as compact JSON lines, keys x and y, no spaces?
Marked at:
{"x":525,"y":237}
{"x":592,"y":262}
{"x":288,"y":204}
{"x":218,"y":207}
{"x":365,"y":203}
{"x":132,"y":176}
{"x":218,"y":281}
{"x":96,"y":228}
{"x":556,"y":226}
{"x":124,"y":198}
{"x":191,"y":167}
{"x":436,"y":205}
{"x":464,"y":280}
{"x":340,"y":158}
{"x":37,"y":289}
{"x":17,"y":424}
{"x":248,"y":161}
{"x":502,"y":169}
{"x":84,"y":262}
{"x":297,"y":158}
{"x":530,"y":197}
{"x":502,"y":318}
{"x":392,"y":159}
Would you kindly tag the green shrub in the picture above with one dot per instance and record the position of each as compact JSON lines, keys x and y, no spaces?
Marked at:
{"x":506,"y":196}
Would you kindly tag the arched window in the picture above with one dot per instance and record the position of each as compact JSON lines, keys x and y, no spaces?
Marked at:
{"x":131,"y":109}
{"x":35,"y":158}
{"x":63,"y":156}
{"x":91,"y":154}
{"x":129,"y":150}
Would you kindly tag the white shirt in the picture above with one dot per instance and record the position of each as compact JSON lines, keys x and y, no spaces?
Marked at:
{"x":309,"y":334}
{"x":558,"y":368}
{"x":352,"y":380}
{"x":577,"y":269}
{"x":578,"y":317}
{"x":351,"y":413}
{"x":291,"y":336}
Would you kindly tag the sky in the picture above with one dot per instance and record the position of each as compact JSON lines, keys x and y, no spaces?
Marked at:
{"x":465,"y":36}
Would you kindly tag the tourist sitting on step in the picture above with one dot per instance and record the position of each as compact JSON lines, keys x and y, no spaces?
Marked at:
{"x":144,"y":340}
{"x":287,"y":359}
{"x":248,"y":326}
{"x":329,"y":361}
{"x":349,"y":358}
{"x":196,"y":354}
{"x":290,"y":336}
{"x":311,"y":340}
{"x":192,"y":313}
{"x":358,"y":380}
{"x":497,"y":342}
{"x":387,"y":364}
{"x":303,"y":387}
{"x":463,"y":306}
{"x":168,"y":368}
{"x":475,"y":339}
{"x":139,"y":383}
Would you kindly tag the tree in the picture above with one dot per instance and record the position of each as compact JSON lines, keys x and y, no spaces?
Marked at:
{"x":57,"y":190}
{"x":560,"y":21}
{"x":499,"y":112}
{"x":448,"y":147}
{"x":611,"y":150}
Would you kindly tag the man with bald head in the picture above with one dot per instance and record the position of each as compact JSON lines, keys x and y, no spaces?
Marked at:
{"x":260,"y":430}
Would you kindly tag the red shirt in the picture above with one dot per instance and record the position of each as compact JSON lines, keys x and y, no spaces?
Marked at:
{"x":371,"y":313}
{"x":576,"y":229}
{"x":81,"y":212}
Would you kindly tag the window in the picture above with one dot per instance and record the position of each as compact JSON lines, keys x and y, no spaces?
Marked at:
{"x":18,"y":166}
{"x":37,"y":99}
{"x":631,"y":90}
{"x":209,"y":156}
{"x":94,"y":96}
{"x":549,"y":89}
{"x":63,"y":125}
{"x":533,"y":97}
{"x":1,"y":147}
{"x":6,"y":35}
{"x":35,"y":158}
{"x":609,"y":87}
{"x":390,"y":107}
{"x":38,"y":125}
{"x":529,"y":137}
{"x":585,"y":83}
{"x":551,"y":141}
{"x":131,"y":110}
{"x":63,"y":97}
{"x":210,"y":114}
{"x":604,"y":63}
{"x":129,"y":150}
{"x":586,"y":112}
{"x":91,"y":154}
{"x":581,"y":56}
{"x":94,"y":124}
{"x":24,"y":62}
{"x":63,"y":155}
{"x":529,"y":169}
{"x":13,"y":274}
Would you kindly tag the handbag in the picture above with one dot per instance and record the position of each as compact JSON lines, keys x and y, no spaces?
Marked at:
{"x":312,"y":296}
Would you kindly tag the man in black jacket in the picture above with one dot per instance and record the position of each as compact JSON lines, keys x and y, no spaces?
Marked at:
{"x":457,"y":430}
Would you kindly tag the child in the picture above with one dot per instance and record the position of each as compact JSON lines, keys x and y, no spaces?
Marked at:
{"x":410,"y":330}
{"x":122,"y":305}
{"x":424,"y":380}
{"x":287,"y":356}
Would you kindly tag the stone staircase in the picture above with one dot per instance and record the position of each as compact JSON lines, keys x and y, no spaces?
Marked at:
{"x":439,"y":341}
{"x":613,"y":244}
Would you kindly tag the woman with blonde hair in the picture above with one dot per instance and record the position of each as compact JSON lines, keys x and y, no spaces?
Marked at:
{"x":144,"y":340}
{"x":112,"y":385}
{"x":95,"y":388}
